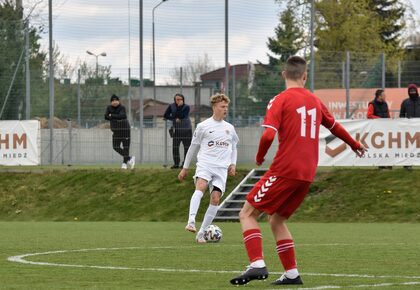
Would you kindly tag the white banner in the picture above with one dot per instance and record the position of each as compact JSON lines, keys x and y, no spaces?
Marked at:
{"x":20,"y":142}
{"x":389,"y":142}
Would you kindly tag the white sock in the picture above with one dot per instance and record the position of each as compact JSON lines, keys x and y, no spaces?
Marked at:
{"x":258,"y":264}
{"x":209,"y":216}
{"x":194,"y":205}
{"x":292,"y":273}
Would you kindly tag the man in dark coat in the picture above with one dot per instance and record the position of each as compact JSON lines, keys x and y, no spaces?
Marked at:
{"x":179,"y":113}
{"x":120,"y":127}
{"x":410,"y":108}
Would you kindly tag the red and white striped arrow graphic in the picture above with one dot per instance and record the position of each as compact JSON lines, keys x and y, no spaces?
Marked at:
{"x":264,"y":188}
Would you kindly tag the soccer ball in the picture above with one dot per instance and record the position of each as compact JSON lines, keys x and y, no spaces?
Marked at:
{"x":213,"y":234}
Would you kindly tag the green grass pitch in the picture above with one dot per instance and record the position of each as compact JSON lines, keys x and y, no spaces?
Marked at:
{"x":161,"y":255}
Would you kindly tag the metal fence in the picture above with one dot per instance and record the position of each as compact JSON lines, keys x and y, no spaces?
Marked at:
{"x":85,"y":79}
{"x":83,"y":105}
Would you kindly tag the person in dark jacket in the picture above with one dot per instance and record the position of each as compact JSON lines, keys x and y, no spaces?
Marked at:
{"x":179,"y":113}
{"x":410,"y":108}
{"x":378,"y":108}
{"x":120,"y":127}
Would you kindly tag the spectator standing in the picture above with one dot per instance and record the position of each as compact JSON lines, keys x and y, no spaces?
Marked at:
{"x":410,"y":107}
{"x":120,"y":127}
{"x":378,"y":108}
{"x":179,"y":113}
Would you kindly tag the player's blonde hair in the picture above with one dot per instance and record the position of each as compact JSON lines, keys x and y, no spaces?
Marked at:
{"x":217,"y":98}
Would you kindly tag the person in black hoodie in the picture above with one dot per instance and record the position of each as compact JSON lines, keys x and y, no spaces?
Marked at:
{"x":410,"y":107}
{"x":179,"y":113}
{"x":120,"y":127}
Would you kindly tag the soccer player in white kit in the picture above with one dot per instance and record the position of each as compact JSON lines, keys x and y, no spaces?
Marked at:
{"x":215,"y":140}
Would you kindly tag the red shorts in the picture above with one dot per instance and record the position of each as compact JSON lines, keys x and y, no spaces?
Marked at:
{"x":273,"y":194}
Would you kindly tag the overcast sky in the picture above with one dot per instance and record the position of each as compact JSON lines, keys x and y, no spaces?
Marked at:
{"x":184,"y":29}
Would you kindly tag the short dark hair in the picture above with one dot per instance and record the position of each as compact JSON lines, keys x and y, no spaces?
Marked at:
{"x":295,"y":67}
{"x":114,"y":97}
{"x":378,"y":93}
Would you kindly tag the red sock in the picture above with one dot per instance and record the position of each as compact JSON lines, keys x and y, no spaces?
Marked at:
{"x":286,"y":251}
{"x":253,"y":244}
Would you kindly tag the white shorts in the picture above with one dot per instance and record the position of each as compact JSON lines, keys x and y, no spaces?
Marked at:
{"x":215,"y":176}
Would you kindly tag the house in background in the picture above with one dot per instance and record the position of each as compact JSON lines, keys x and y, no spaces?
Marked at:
{"x":216,"y":79}
{"x":154,"y":111}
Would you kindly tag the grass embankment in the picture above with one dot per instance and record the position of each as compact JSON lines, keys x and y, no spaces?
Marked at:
{"x":337,"y":195}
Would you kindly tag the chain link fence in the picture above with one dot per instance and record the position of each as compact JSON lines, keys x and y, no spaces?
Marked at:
{"x":345,"y":81}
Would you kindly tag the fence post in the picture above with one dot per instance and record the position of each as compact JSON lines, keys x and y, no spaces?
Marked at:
{"x":27,"y":74}
{"x":233,"y":94}
{"x":165,"y":132}
{"x":197,"y":100}
{"x":312,"y":43}
{"x":79,"y":121}
{"x":70,"y":127}
{"x":399,"y":74}
{"x":347,"y":84}
{"x":383,"y":70}
{"x":130,"y":116}
{"x":180,"y":79}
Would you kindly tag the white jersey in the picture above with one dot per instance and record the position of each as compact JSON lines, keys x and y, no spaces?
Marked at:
{"x":216,"y":140}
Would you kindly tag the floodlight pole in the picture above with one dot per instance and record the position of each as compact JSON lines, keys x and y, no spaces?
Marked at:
{"x":51,"y":80}
{"x":312,"y":61}
{"x":96,"y":56}
{"x":226,"y":47}
{"x":141,"y":97}
{"x":153,"y":48}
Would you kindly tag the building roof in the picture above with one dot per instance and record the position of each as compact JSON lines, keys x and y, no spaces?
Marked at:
{"x":241,"y":71}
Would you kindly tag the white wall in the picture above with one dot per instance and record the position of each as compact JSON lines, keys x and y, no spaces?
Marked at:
{"x":94,"y":146}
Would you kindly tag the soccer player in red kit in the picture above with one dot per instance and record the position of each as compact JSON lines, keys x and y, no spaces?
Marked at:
{"x":295,"y":115}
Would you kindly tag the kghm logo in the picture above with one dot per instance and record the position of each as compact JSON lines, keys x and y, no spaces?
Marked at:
{"x":13,"y":141}
{"x":334,"y":152}
{"x":210,"y":144}
{"x":378,"y":140}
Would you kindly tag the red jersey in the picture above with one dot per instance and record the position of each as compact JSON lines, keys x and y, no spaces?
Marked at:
{"x":296,"y":115}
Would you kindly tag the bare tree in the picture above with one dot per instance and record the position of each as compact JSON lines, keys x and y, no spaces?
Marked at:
{"x":193,"y":69}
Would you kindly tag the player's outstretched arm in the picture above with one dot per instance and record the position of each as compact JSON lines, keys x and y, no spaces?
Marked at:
{"x":266,"y":140}
{"x":341,"y":133}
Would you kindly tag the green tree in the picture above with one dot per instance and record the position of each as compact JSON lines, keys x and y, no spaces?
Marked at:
{"x":391,"y":22}
{"x":12,"y":58}
{"x":347,"y":25}
{"x":288,"y":38}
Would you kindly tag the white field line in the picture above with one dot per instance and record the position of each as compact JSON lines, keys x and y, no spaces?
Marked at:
{"x":21,"y":259}
{"x":353,"y":286}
